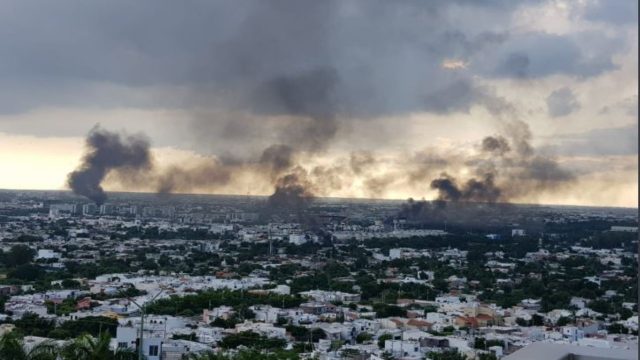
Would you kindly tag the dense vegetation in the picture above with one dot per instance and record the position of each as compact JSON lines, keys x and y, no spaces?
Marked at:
{"x":190,"y":305}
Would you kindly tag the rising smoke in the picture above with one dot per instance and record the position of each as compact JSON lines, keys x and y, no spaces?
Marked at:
{"x":128,"y":159}
{"x":106,"y":152}
{"x":301,"y":71}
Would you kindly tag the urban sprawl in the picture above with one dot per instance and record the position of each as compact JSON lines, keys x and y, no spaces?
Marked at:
{"x":214,"y":277}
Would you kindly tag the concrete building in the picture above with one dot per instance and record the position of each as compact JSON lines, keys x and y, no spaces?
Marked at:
{"x":549,"y":351}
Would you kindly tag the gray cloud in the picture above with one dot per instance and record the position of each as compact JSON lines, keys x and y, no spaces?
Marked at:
{"x":294,"y":70}
{"x":376,"y":57}
{"x":627,"y":106}
{"x":616,"y":12}
{"x":562,"y":102}
{"x":621,"y":140}
{"x":538,"y":54}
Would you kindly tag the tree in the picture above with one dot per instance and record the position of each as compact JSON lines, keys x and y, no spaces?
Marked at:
{"x":245,"y":355}
{"x":563,"y":321}
{"x":601,"y":306}
{"x":70,"y":284}
{"x":251,"y":340}
{"x":617,"y":328}
{"x":12,"y":347}
{"x":32,"y":324}
{"x":301,"y":333}
{"x":84,"y":347}
{"x":382,"y":339}
{"x":363,"y":337}
{"x":28,"y":272}
{"x":19,"y":255}
{"x":87,"y":347}
{"x":384,"y":310}
{"x":537,"y":320}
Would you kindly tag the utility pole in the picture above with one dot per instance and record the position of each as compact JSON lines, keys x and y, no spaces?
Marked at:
{"x":143,"y":309}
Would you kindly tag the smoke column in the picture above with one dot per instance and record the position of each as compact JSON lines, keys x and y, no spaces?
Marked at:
{"x":107,"y":151}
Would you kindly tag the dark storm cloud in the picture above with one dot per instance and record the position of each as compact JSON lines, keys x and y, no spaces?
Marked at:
{"x":372,"y":57}
{"x":296,"y":70}
{"x":562,"y":102}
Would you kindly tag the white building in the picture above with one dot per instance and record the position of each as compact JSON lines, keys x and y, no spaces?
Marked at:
{"x":403,"y":349}
{"x":297,"y":239}
{"x":47,"y":254}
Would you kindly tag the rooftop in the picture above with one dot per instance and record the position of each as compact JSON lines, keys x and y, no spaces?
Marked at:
{"x":549,"y":351}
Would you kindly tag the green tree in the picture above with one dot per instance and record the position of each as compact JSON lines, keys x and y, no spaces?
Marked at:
{"x":382,"y":338}
{"x":363,"y":337}
{"x":537,"y":320}
{"x":87,"y":347}
{"x":28,"y":272}
{"x":12,"y":347}
{"x":251,"y":340}
{"x":617,"y":328}
{"x":19,"y":255}
{"x":246,"y":355}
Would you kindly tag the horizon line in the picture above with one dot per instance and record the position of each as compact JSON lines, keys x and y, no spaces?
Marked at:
{"x":325,"y":197}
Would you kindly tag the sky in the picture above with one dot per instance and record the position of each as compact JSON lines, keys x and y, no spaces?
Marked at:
{"x":489,"y":100}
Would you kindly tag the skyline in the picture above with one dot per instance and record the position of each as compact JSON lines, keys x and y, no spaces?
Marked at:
{"x":531,"y":102}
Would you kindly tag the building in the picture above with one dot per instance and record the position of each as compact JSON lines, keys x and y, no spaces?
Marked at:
{"x":61,"y":210}
{"x":518,"y":232}
{"x":624,"y":228}
{"x":47,"y":254}
{"x":89,"y":209}
{"x":107,"y":209}
{"x":297,"y":239}
{"x":550,"y":351}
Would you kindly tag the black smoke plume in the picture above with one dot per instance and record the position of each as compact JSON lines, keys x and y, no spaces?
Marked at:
{"x":107,"y":151}
{"x":498,"y":145}
{"x":311,"y":95}
{"x":276,"y":159}
{"x":474,"y":190}
{"x":291,"y":193}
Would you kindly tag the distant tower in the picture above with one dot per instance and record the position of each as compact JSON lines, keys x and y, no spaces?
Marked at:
{"x":269,"y":236}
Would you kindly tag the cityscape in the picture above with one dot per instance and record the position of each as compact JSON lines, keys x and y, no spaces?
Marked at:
{"x":343,"y":279}
{"x":319,"y":180}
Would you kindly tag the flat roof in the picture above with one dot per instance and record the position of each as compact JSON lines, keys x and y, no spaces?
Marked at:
{"x":551,"y":351}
